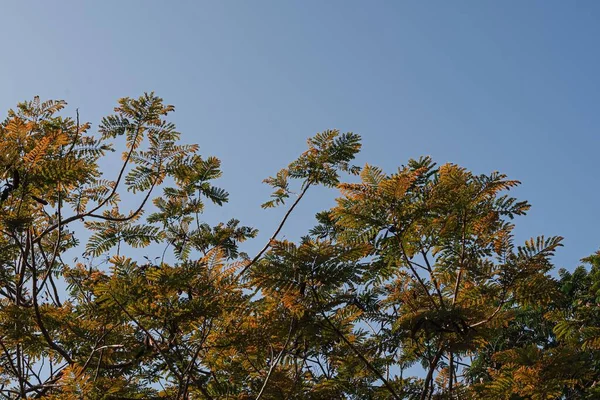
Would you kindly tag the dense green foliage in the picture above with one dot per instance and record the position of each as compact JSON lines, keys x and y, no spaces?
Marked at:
{"x":410,"y":287}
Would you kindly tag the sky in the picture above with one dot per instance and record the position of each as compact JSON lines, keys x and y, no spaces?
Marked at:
{"x":510,"y":86}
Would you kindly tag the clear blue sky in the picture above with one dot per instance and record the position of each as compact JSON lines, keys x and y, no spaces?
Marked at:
{"x":509,"y":85}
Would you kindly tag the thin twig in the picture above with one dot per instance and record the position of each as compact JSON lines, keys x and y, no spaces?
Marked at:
{"x":270,"y":242}
{"x":277,"y":359}
{"x":370,"y":366}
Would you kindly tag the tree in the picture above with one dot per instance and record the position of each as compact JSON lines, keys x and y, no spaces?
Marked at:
{"x":443,"y":266}
{"x":552,"y":351}
{"x":416,"y":267}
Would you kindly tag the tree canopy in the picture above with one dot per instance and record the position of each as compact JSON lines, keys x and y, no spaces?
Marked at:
{"x":410,"y":287}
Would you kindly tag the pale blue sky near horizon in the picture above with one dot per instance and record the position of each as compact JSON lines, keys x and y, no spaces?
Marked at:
{"x":509,"y":86}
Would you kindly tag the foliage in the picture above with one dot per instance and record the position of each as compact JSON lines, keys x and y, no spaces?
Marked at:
{"x":415,"y":270}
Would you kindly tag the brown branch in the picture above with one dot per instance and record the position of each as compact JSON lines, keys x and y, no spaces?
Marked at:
{"x":432,"y":368}
{"x":451,"y":372}
{"x":270,"y":242}
{"x":46,"y":386}
{"x":488,"y":319}
{"x":183,"y":389}
{"x":462,"y":261}
{"x":48,"y":275}
{"x":36,"y":307}
{"x":277,"y":359}
{"x":177,"y":372}
{"x":76,"y":134}
{"x":101,"y":348}
{"x":103,"y":202}
{"x":8,"y":356}
{"x":132,"y":215}
{"x":21,"y":271}
{"x":368,"y":364}
{"x":415,"y":273}
{"x":431,"y":275}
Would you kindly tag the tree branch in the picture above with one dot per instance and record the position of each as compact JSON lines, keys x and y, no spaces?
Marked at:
{"x":270,"y":242}
{"x":370,"y":366}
